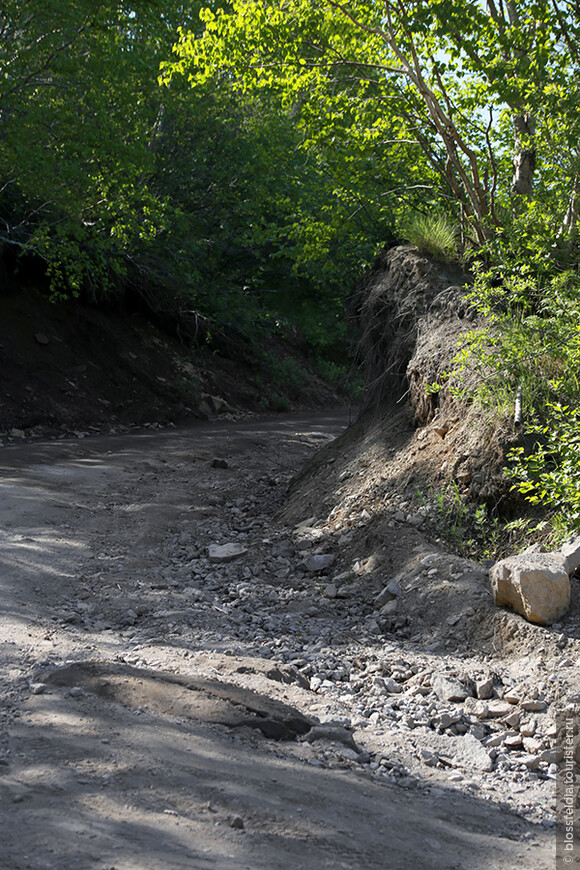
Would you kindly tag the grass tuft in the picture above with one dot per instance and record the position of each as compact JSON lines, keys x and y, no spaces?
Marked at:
{"x":432,"y":234}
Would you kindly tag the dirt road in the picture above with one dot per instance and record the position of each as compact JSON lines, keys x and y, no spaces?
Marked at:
{"x":164,"y":650}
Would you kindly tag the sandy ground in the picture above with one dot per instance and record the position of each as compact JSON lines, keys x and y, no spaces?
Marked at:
{"x":144,"y":722}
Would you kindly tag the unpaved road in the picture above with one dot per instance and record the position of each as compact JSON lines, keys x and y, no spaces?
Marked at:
{"x":142,"y":683}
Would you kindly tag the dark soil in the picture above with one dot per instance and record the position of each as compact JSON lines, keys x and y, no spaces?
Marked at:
{"x":70,"y":368}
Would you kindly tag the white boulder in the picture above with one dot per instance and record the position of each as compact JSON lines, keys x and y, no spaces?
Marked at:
{"x":533,"y":584}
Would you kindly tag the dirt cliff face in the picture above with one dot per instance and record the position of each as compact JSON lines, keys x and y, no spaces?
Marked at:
{"x":411,"y":444}
{"x":411,"y":315}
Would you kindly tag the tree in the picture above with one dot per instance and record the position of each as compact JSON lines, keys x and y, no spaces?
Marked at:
{"x":448,"y":78}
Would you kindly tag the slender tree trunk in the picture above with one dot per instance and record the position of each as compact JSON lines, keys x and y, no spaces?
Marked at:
{"x":524,"y":157}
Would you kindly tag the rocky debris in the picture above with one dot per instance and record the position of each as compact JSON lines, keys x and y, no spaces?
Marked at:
{"x":533,"y":584}
{"x":418,"y":700}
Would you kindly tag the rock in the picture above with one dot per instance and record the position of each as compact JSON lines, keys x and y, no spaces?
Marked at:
{"x":498,"y":708}
{"x":532,"y":762}
{"x":330,"y":590}
{"x":408,"y":782}
{"x":474,"y":707}
{"x":219,"y":463}
{"x":392,"y":687}
{"x":225,"y":552}
{"x":465,"y":751}
{"x":429,"y":758}
{"x":236,"y":822}
{"x":41,"y":338}
{"x":204,"y":410}
{"x":390,"y":608}
{"x":570,"y":553}
{"x":513,"y":720}
{"x":38,"y":688}
{"x":307,"y":523}
{"x":532,"y":745}
{"x":552,"y":756}
{"x":448,"y":689}
{"x":536,"y":585}
{"x":528,"y":729}
{"x":350,"y":590}
{"x":484,"y":688}
{"x":391,"y":591}
{"x":318,"y":562}
{"x":334,"y":733}
{"x":533,"y":706}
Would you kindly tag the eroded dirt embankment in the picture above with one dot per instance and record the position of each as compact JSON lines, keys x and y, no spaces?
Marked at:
{"x":167,"y":704}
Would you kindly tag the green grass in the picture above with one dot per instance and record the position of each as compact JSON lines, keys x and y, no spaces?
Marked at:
{"x":432,"y":234}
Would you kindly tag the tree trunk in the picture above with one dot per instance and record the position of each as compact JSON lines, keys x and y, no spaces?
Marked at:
{"x":524,"y":158}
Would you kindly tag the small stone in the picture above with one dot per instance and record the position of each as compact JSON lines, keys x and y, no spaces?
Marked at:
{"x":225,"y":552}
{"x":334,"y":733}
{"x":219,"y":463}
{"x":318,"y":562}
{"x":392,"y":687}
{"x":390,"y":608}
{"x":38,"y":688}
{"x":41,"y":338}
{"x":76,"y":692}
{"x":498,"y":708}
{"x":448,"y":689}
{"x":474,"y":707}
{"x":513,"y":742}
{"x":552,"y":756}
{"x":330,"y":590}
{"x":429,"y":758}
{"x":236,"y":822}
{"x":532,"y":762}
{"x":484,"y":688}
{"x":534,"y":706}
{"x":513,"y":720}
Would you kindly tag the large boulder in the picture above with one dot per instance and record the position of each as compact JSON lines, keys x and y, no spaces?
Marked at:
{"x":533,"y":584}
